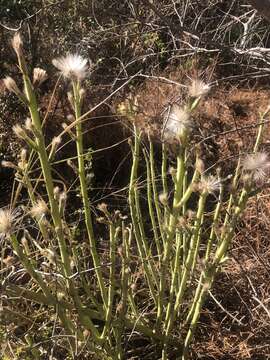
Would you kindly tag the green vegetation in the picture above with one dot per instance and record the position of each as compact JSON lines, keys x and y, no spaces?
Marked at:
{"x":162,"y":254}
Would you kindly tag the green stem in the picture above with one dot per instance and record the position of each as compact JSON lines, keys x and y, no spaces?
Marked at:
{"x":150,"y":207}
{"x":136,"y":217}
{"x":164,"y":174}
{"x":84,"y":194}
{"x":207,"y":256}
{"x":155,"y":191}
{"x":29,"y":267}
{"x":46,"y":170}
{"x":146,"y":248}
{"x":171,"y":230}
{"x":211,"y":270}
{"x":113,"y":236}
{"x":171,"y":313}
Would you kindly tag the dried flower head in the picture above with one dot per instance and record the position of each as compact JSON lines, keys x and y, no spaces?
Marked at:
{"x":8,"y":164}
{"x":11,"y":85}
{"x":56,"y":192}
{"x":70,"y":118}
{"x":7,"y":221}
{"x":172,"y":171}
{"x":70,"y":98}
{"x":62,"y":201}
{"x":22,"y":164}
{"x":209,"y":184}
{"x":163,"y":198}
{"x":178,"y":122}
{"x":56,"y":141}
{"x":23,"y":154}
{"x":17,"y":44}
{"x":18,"y":130}
{"x":9,"y":260}
{"x":257,"y":165}
{"x":28,"y":124}
{"x":82,"y":94}
{"x":103,"y":207}
{"x":73,"y":66}
{"x":39,"y":209}
{"x":39,"y":76}
{"x":198,"y":88}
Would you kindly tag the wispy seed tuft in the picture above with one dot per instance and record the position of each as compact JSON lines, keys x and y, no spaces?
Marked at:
{"x":198,"y":88}
{"x":39,"y":209}
{"x":7,"y":219}
{"x":178,"y":122}
{"x":73,"y":66}
{"x":258,"y":165}
{"x":209,"y":184}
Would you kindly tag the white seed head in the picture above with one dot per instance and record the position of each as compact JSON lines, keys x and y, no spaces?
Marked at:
{"x":39,"y":209}
{"x":72,"y":66}
{"x":257,"y":165}
{"x":209,"y":184}
{"x":39,"y":76}
{"x":7,"y":218}
{"x":178,"y":122}
{"x":198,"y":88}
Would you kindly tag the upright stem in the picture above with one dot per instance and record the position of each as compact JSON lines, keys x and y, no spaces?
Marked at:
{"x":211,"y":270}
{"x":171,"y":229}
{"x":155,"y":192}
{"x":84,"y":193}
{"x":47,"y":174}
{"x":136,"y":217}
{"x":113,"y":236}
{"x":171,"y":313}
{"x":154,"y":226}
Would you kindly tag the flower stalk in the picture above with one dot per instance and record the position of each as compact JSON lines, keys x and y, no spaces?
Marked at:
{"x":84,"y":191}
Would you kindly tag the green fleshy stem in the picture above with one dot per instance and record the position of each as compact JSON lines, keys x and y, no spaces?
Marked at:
{"x":114,"y":232}
{"x":171,"y":231}
{"x":211,"y":271}
{"x":154,"y":225}
{"x":30,"y":269}
{"x":179,"y":202}
{"x":135,"y":216}
{"x":46,"y":171}
{"x":47,"y":174}
{"x":172,"y":311}
{"x":155,"y":193}
{"x":207,"y":255}
{"x":84,"y":193}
